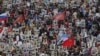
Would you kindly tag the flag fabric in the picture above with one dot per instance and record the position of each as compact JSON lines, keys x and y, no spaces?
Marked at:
{"x":64,"y":37}
{"x":1,"y":29}
{"x":3,"y":16}
{"x":68,"y":42}
{"x":59,"y":16}
{"x":20,"y":19}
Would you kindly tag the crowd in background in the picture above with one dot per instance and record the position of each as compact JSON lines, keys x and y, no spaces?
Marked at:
{"x":38,"y":33}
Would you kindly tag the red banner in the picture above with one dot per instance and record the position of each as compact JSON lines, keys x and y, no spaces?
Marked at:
{"x":69,"y":42}
{"x":1,"y":29}
{"x":19,"y":19}
{"x":59,"y":16}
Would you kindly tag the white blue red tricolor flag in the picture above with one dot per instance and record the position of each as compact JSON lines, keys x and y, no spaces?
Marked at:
{"x":3,"y":16}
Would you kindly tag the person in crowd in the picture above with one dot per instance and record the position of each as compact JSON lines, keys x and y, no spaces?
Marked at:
{"x":47,"y":23}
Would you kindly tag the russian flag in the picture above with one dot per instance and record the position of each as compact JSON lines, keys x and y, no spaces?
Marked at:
{"x":63,"y":37}
{"x":68,"y":42}
{"x":3,"y":16}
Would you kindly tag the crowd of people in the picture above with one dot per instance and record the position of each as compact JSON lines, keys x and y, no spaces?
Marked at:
{"x":32,"y":29}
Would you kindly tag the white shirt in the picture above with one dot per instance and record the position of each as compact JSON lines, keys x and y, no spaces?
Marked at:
{"x":18,"y":1}
{"x":77,"y":23}
{"x":94,"y":9}
{"x":8,"y":5}
{"x":55,"y":11}
{"x":84,"y":33}
{"x":98,"y":35}
{"x":60,"y":1}
{"x":98,"y":14}
{"x":28,"y":4}
{"x":62,"y":27}
{"x":53,"y":1}
{"x":82,"y":23}
{"x":90,"y":12}
{"x":42,"y":54}
{"x":17,"y":38}
{"x":60,"y":34}
{"x":19,"y":43}
{"x":9,"y":54}
{"x":21,"y":35}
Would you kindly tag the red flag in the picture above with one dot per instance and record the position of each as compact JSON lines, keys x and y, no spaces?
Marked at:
{"x":3,"y":18}
{"x":59,"y":16}
{"x":19,"y":19}
{"x":1,"y":29}
{"x":68,"y":42}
